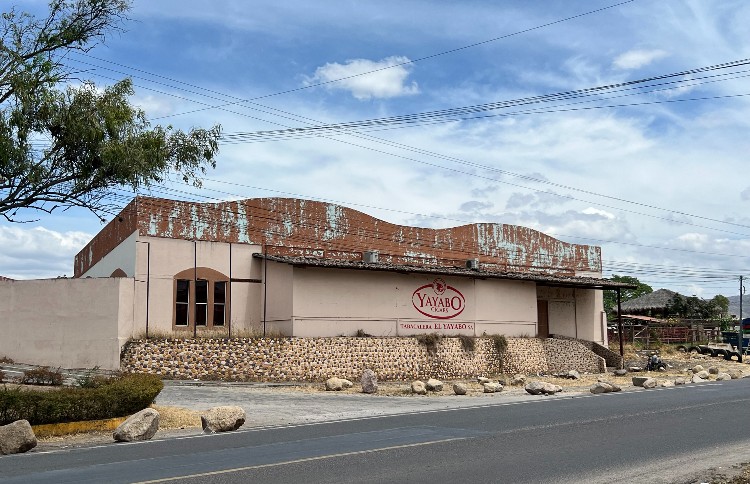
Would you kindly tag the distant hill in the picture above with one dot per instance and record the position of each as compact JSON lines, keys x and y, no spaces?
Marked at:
{"x":734,"y":305}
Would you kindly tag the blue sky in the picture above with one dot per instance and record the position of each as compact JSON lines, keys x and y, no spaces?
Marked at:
{"x":672,"y":170}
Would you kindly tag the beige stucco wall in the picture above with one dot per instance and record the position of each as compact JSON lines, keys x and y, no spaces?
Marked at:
{"x":73,"y":323}
{"x":122,"y":257}
{"x":575,"y":313}
{"x":312,"y":301}
{"x":157,"y":260}
{"x":278,"y":297}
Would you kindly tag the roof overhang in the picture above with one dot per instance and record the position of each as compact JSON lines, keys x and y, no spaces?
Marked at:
{"x":539,"y":278}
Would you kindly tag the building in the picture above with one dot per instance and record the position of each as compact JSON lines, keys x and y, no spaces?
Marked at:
{"x":302,"y":268}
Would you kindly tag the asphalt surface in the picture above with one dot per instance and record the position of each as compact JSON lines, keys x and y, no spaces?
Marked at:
{"x":662,"y":435}
{"x":265,"y":404}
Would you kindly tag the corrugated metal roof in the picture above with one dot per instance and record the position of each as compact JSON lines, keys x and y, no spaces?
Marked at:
{"x":543,"y":279}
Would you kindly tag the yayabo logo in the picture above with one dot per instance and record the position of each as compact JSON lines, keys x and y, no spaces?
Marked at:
{"x":438,"y":300}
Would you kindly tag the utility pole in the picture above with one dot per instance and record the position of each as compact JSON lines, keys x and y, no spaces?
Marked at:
{"x":740,"y":331}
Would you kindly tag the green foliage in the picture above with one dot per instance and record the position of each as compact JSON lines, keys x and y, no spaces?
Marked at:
{"x":42,"y":376}
{"x":91,"y":379}
{"x":430,"y":341}
{"x":95,"y":140}
{"x":467,"y":342}
{"x":696,"y":308}
{"x":610,"y":295}
{"x":116,"y":398}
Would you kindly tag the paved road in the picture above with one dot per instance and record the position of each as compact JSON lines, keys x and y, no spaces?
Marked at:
{"x":662,"y":435}
{"x":266,"y":405}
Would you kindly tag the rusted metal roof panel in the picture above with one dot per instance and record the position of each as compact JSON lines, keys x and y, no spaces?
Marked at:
{"x":304,"y":228}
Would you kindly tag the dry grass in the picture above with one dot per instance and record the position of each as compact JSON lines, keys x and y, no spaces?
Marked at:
{"x":71,"y":428}
{"x":177,"y":417}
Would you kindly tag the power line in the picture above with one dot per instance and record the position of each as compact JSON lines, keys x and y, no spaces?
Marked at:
{"x":526,"y":177}
{"x":408,"y":62}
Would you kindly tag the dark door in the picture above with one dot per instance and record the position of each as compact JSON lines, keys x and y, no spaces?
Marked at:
{"x":543,"y":325}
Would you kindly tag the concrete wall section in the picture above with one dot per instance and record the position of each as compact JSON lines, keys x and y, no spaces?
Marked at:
{"x":338,"y":302}
{"x":159,"y":260}
{"x":278,"y":298}
{"x":71,"y":323}
{"x":507,"y":307}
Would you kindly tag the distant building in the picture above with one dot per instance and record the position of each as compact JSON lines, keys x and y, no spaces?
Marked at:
{"x":654,"y":304}
{"x":301,"y":268}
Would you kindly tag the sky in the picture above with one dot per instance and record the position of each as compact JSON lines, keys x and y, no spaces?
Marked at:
{"x":652,"y":172}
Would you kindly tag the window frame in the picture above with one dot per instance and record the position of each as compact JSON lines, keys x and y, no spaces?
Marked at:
{"x":195,"y":278}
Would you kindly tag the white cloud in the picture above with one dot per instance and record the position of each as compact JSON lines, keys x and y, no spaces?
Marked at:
{"x":389,"y":80}
{"x":635,"y":59}
{"x":596,"y":211}
{"x":38,"y":253}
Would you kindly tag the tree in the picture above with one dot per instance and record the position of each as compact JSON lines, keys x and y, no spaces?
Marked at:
{"x":696,"y":308}
{"x":610,"y":295}
{"x":63,"y":144}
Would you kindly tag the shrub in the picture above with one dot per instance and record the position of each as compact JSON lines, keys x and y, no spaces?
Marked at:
{"x":430,"y":341}
{"x":467,"y":342}
{"x":116,"y":398}
{"x":361,"y":334}
{"x":500,"y":343}
{"x":42,"y":376}
{"x":91,"y":379}
{"x":5,"y":359}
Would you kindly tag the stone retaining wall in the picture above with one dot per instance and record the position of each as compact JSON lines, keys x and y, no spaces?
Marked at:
{"x":612,"y":359}
{"x":316,"y":359}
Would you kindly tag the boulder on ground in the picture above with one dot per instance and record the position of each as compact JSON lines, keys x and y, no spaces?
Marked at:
{"x":713,"y":370}
{"x":703,"y":374}
{"x":600,"y":387}
{"x":139,"y":426}
{"x":518,"y":379}
{"x":698,"y":368}
{"x":735,"y":373}
{"x":697,"y":379}
{"x":434,"y":385}
{"x":615,"y":386}
{"x":482,"y":380}
{"x":620,"y":372}
{"x":723,"y":376}
{"x":573,"y":375}
{"x":650,"y":383}
{"x":369,"y":381}
{"x":492,"y":387}
{"x":16,"y":437}
{"x":222,"y":419}
{"x":459,"y":388}
{"x":666,"y":383}
{"x":334,"y":384}
{"x":535,"y":387}
{"x":346,"y":383}
{"x":635,"y":369}
{"x":638,"y":380}
{"x":679,"y":381}
{"x":418,"y":387}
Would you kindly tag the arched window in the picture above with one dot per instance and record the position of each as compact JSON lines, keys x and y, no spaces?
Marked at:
{"x":201,"y":298}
